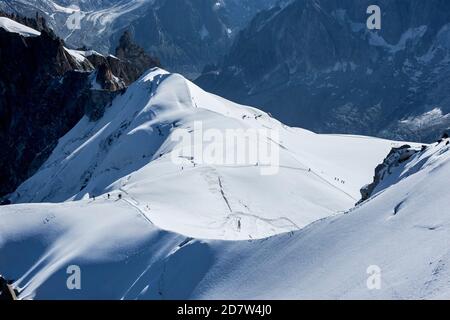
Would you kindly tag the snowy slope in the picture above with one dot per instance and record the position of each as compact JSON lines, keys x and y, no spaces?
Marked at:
{"x":15,"y":27}
{"x":131,"y":150}
{"x":404,"y":230}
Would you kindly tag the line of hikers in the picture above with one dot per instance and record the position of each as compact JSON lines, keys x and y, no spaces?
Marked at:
{"x":119,"y":197}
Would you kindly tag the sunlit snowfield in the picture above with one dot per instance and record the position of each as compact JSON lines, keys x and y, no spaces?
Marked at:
{"x":192,"y":231}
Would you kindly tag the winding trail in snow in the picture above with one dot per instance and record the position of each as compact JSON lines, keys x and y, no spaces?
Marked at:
{"x":135,"y":206}
{"x":223,"y":194}
{"x":293,"y":168}
{"x":266,"y":220}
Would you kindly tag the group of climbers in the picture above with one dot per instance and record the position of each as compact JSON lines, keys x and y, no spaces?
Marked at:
{"x":119,"y":197}
{"x":339,"y":180}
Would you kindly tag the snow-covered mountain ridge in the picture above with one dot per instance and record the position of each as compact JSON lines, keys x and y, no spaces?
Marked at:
{"x":12,"y":26}
{"x":143,"y":214}
{"x":403,"y":230}
{"x":130,"y":151}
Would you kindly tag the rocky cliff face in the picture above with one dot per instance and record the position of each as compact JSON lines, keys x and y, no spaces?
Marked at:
{"x":135,"y":56}
{"x":315,"y":64}
{"x":393,"y":160}
{"x":45,"y":89}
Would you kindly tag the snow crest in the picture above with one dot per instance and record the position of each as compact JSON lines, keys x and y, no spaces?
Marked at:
{"x":15,"y":27}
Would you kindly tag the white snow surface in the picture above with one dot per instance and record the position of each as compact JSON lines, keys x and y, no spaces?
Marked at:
{"x":404,"y":230}
{"x":173,"y":235}
{"x":15,"y":27}
{"x":129,"y":151}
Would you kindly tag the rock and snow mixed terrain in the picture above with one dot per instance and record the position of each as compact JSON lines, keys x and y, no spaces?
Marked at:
{"x":145,"y":215}
{"x":46,"y":88}
{"x":171,"y":230}
{"x":130,"y":150}
{"x":15,"y":27}
{"x":202,"y":34}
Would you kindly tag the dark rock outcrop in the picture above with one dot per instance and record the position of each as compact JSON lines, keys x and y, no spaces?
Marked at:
{"x":394,"y":159}
{"x":138,"y":60}
{"x":7,"y":292}
{"x":45,"y":91}
{"x":39,"y":88}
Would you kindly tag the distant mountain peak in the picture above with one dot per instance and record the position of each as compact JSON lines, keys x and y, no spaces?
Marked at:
{"x":128,"y":50}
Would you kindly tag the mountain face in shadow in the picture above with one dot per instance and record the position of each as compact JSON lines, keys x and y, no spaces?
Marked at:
{"x":315,"y":64}
{"x":186,"y":35}
{"x":46,"y":88}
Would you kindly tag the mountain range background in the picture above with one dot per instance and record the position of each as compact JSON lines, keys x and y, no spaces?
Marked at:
{"x":185,"y":35}
{"x":314,"y":64}
{"x":310,"y":63}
